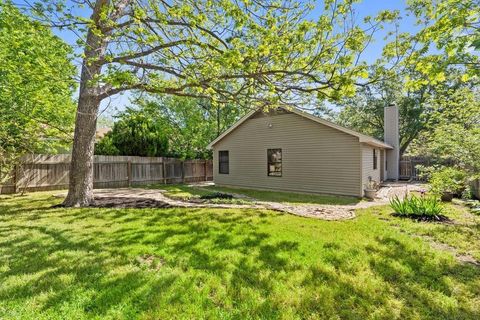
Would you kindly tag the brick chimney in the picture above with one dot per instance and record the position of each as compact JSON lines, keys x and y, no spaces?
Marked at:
{"x":392,"y":137}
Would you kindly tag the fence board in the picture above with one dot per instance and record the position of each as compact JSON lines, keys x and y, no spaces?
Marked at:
{"x":409,"y":167}
{"x":50,"y":172}
{"x":476,"y":188}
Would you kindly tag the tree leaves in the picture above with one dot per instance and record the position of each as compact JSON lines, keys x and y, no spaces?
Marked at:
{"x":451,"y":28}
{"x":36,"y":87}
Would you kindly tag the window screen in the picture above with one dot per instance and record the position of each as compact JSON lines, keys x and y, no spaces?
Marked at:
{"x":223,"y":166}
{"x":274,"y":165}
{"x":374,"y":159}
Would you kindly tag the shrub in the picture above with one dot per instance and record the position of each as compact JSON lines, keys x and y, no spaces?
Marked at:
{"x":448,"y":180}
{"x":106,"y":147}
{"x":416,"y":206}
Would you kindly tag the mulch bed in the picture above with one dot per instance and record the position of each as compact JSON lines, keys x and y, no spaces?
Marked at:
{"x":423,"y":218}
{"x":127,"y":202}
{"x":216,"y":195}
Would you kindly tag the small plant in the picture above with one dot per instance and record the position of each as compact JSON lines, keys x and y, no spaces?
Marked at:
{"x":371,"y":184}
{"x":371,"y":188}
{"x":467,"y":193}
{"x":417,"y":207}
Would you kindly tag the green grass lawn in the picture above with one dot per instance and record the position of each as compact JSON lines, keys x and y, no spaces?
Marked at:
{"x":186,"y":192}
{"x":223,"y":264}
{"x":181,"y":191}
{"x":463,"y":233}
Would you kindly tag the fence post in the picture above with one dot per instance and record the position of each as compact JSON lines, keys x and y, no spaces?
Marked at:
{"x":129,"y":173}
{"x":15,"y":178}
{"x":183,"y":171}
{"x":205,"y":169}
{"x":163,"y":171}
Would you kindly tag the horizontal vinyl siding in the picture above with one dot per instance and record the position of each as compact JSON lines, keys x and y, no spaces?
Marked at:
{"x":367,"y":163}
{"x":315,"y":158}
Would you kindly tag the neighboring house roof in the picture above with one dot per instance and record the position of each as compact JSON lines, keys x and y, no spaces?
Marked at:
{"x":362,"y":137}
{"x":101,"y":132}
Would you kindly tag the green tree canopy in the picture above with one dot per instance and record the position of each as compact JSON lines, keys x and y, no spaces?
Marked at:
{"x":449,"y":36}
{"x":170,"y":126}
{"x":36,"y":88}
{"x":136,"y":133}
{"x":454,"y":135}
{"x":364,"y":112}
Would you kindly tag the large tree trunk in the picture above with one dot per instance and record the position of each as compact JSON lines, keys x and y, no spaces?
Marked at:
{"x":80,"y":189}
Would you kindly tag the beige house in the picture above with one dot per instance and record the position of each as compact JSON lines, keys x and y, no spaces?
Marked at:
{"x":291,"y":150}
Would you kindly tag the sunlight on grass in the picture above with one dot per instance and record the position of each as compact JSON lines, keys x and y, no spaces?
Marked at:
{"x":463,"y":233}
{"x":189,"y":193}
{"x":183,"y":191}
{"x":217,"y":263}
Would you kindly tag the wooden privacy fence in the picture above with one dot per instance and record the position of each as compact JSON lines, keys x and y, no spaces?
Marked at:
{"x":50,"y":172}
{"x":409,"y":167}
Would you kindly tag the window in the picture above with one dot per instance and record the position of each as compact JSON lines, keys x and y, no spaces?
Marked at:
{"x":223,"y":162}
{"x":374,"y":159}
{"x":274,"y":165}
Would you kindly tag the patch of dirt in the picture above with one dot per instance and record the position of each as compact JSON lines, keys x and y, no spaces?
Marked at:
{"x":465,"y":258}
{"x":150,"y":261}
{"x":324,"y":212}
{"x":334,"y":213}
{"x":128,"y":202}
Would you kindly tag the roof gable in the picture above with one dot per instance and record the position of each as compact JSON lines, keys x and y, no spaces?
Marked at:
{"x":362,"y":138}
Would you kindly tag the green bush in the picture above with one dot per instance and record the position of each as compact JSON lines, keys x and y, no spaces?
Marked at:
{"x":416,"y":206}
{"x":448,"y":180}
{"x":106,"y":147}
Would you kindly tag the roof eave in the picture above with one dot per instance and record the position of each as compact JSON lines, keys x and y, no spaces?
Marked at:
{"x":376,"y":143}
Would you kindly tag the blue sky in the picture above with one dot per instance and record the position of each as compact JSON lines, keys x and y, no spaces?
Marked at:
{"x":365,"y":8}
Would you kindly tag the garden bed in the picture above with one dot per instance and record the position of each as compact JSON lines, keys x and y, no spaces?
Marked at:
{"x":424,"y":218}
{"x":128,"y":202}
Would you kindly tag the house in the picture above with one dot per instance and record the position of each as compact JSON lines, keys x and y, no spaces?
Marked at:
{"x":291,"y":150}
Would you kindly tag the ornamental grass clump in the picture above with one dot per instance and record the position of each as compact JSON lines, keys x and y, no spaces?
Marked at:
{"x":423,"y":208}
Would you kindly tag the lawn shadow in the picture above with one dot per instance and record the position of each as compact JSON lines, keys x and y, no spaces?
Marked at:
{"x":70,"y":261}
{"x":87,"y":258}
{"x":418,"y":277}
